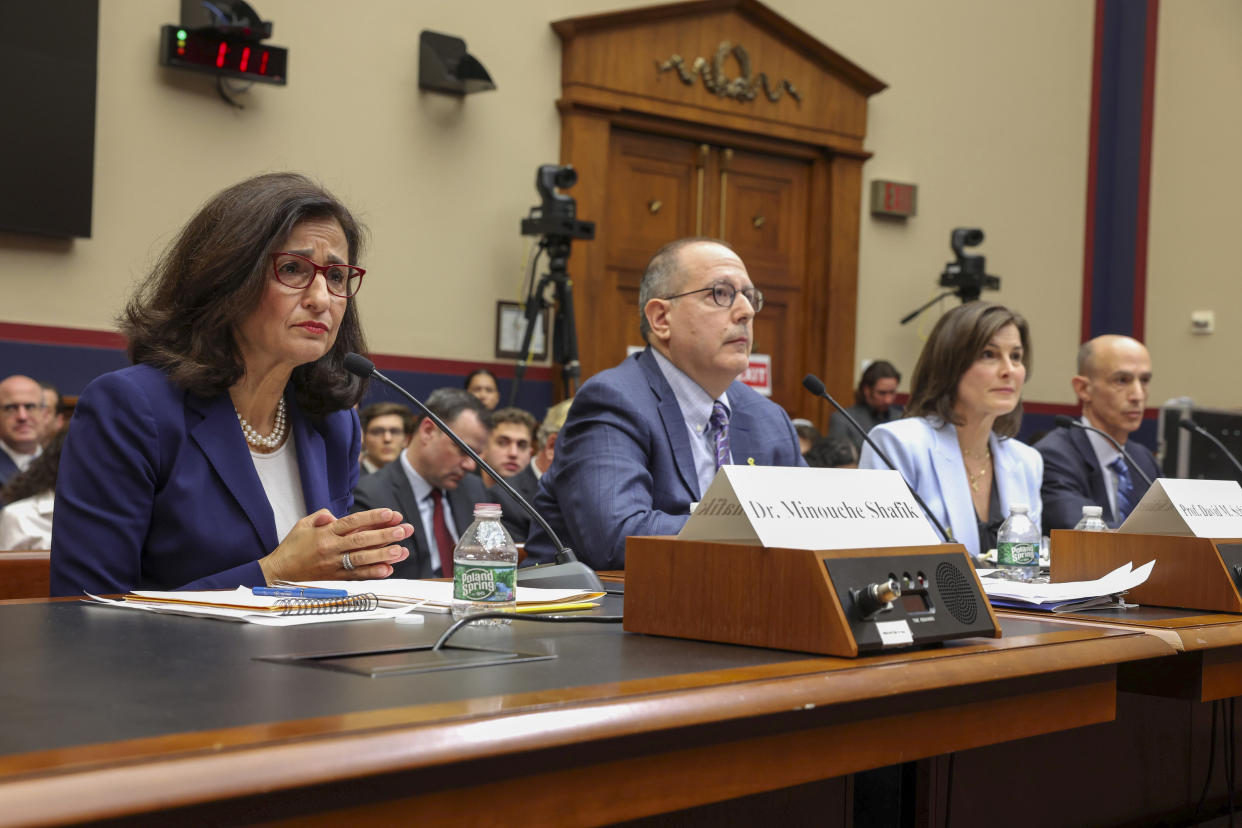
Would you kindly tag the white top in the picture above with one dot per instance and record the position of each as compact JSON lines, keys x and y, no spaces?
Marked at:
{"x":19,"y":460}
{"x":282,"y":483}
{"x":696,"y":409}
{"x":1106,"y":453}
{"x":426,"y":508}
{"x":27,"y":523}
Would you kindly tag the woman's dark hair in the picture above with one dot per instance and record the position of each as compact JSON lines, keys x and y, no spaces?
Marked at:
{"x":39,"y":476}
{"x":955,"y":343}
{"x":183,"y":317}
{"x":470,"y":377}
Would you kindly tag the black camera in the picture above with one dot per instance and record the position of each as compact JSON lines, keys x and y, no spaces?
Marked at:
{"x":557,"y":215}
{"x":967,"y":276}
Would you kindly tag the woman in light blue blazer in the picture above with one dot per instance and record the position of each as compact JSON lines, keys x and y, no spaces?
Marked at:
{"x":956,"y":445}
{"x":227,"y":454}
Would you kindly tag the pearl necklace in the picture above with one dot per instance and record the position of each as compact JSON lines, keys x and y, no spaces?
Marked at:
{"x":272,"y":440}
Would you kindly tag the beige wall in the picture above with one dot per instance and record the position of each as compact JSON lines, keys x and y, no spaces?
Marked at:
{"x":987,"y":112}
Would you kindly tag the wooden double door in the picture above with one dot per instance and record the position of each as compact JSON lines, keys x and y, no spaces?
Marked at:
{"x":662,"y":188}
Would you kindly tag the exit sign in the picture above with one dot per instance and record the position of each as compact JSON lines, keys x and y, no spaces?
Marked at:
{"x":892,"y":198}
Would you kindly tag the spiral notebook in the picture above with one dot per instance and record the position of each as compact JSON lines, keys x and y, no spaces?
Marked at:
{"x":242,"y":605}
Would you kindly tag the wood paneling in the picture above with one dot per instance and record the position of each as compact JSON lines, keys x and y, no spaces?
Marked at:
{"x":24,"y":574}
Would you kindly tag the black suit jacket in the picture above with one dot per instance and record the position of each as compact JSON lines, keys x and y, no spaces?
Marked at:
{"x":1073,"y":477}
{"x":390,"y":488}
{"x":513,"y":516}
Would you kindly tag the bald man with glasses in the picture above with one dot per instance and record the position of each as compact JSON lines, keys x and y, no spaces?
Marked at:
{"x":644,"y":440}
{"x":21,"y":424}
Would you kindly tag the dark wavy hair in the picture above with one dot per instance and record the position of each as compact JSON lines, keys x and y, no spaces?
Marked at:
{"x":183,"y":317}
{"x":39,"y":476}
{"x":955,"y":343}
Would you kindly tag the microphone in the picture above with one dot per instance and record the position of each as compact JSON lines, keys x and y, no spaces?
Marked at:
{"x":816,"y":386}
{"x":1191,"y":425}
{"x":1065,"y":421}
{"x":568,"y":572}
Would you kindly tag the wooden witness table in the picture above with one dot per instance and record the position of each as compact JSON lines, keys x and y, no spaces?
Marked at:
{"x":110,"y":714}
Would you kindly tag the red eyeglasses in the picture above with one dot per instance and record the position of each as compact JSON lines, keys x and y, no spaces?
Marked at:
{"x":298,"y":272}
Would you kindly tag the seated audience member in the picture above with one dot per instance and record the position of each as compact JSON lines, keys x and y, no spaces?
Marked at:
{"x":1084,"y":469}
{"x":545,"y":437}
{"x":832,"y":452}
{"x":807,"y":434}
{"x":482,"y":383}
{"x":223,"y":456}
{"x":386,"y":430}
{"x":29,"y":498}
{"x":955,"y":446}
{"x":430,"y":483}
{"x":644,"y":440}
{"x":21,"y":424}
{"x":873,"y":403}
{"x":53,"y":412}
{"x":509,"y":453}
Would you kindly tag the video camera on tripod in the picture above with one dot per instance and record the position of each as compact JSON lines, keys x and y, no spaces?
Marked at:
{"x":967,"y":276}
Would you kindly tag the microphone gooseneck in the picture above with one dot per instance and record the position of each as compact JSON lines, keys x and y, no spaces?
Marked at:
{"x":1190,"y":425}
{"x":816,"y":386}
{"x":1064,"y":421}
{"x":579,"y":573}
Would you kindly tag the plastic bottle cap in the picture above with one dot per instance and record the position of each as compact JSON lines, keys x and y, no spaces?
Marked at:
{"x":1092,"y":511}
{"x":1019,"y":507}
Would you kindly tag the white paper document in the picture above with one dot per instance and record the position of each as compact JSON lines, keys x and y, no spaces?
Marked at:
{"x":237,"y":605}
{"x":1054,"y":596}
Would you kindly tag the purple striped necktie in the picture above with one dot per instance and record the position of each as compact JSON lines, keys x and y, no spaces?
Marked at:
{"x":719,"y":426}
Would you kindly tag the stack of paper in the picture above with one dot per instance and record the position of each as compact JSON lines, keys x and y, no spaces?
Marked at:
{"x":1069,"y":596}
{"x":242,"y":605}
{"x":437,"y":596}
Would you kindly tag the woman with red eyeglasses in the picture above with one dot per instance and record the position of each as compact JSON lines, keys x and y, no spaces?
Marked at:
{"x":226,"y":455}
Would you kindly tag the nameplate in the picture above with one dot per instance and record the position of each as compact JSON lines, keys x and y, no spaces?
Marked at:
{"x":803,"y":508}
{"x":1190,"y":508}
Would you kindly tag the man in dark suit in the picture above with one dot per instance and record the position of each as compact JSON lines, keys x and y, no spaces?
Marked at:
{"x":431,"y":485}
{"x":1084,"y":469}
{"x":21,"y":424}
{"x":643,"y":440}
{"x":873,"y":403}
{"x":509,"y":450}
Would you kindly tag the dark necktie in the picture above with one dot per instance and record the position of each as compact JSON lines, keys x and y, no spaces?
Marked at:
{"x":444,"y":541}
{"x":1125,"y":488}
{"x":719,"y":426}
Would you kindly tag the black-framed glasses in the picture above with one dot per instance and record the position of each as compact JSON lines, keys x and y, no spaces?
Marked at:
{"x":298,"y":272}
{"x":724,"y":293}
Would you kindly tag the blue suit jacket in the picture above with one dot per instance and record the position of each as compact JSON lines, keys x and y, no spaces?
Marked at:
{"x":927,"y":454}
{"x":157,"y":489}
{"x":7,"y":468}
{"x":1073,"y":477}
{"x":623,"y":463}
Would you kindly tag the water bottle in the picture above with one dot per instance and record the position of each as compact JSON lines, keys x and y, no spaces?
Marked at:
{"x":1017,"y":545}
{"x":1092,"y":520}
{"x":485,"y":567}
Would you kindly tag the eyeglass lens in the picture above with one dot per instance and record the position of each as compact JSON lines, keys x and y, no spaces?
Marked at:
{"x":297,"y":272}
{"x":723,"y":294}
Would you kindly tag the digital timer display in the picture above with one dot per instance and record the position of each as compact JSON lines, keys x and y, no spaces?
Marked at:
{"x":228,"y":55}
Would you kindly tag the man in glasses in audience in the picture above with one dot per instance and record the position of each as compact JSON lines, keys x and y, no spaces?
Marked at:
{"x":386,"y":429}
{"x":21,"y":424}
{"x":644,"y":440}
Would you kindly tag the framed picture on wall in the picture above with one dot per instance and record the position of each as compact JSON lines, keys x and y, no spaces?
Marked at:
{"x":511,"y":328}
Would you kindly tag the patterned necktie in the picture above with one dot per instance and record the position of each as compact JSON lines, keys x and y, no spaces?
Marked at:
{"x":1125,"y":488}
{"x":719,"y":427}
{"x":444,"y":541}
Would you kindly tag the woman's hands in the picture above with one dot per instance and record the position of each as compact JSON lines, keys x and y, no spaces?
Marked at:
{"x":315,"y":547}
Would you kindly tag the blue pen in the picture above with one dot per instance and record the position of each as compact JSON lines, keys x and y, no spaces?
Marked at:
{"x":299,"y":592}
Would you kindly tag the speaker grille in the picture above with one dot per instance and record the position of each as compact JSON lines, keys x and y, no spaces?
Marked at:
{"x":955,"y":593}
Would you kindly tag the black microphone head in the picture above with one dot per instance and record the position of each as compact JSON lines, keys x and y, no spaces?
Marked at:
{"x":814,"y":384}
{"x":358,"y":364}
{"x":1188,"y":424}
{"x":1064,"y":421}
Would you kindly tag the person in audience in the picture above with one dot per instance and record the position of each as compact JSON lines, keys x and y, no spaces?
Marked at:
{"x":1082,"y":468}
{"x":386,"y":430}
{"x":808,"y":434}
{"x":644,"y":440}
{"x":29,"y":499}
{"x":431,"y":483}
{"x":832,"y":452}
{"x":53,"y":412}
{"x":509,"y":452}
{"x":21,"y":424}
{"x":545,"y":437}
{"x":223,"y":456}
{"x":482,"y":383}
{"x":873,"y":402}
{"x":956,"y":445}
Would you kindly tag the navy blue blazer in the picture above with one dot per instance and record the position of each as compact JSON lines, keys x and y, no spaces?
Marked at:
{"x":623,"y":463}
{"x":157,"y":489}
{"x":7,"y":468}
{"x":1073,"y":477}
